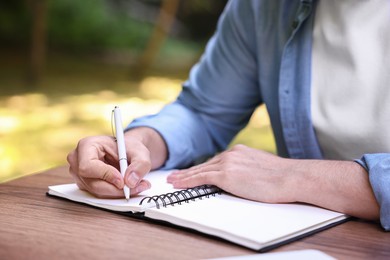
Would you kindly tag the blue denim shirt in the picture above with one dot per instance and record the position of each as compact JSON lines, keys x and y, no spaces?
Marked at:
{"x":260,"y":53}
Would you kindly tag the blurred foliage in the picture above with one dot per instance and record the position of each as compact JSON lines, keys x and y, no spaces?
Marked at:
{"x":197,"y":15}
{"x":105,"y":24}
{"x":14,"y":23}
{"x":93,"y":24}
{"x":91,"y":45}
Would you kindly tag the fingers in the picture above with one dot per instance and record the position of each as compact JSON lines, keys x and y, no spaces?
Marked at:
{"x":206,"y":173}
{"x":142,"y":186}
{"x":94,"y":167}
{"x":140,"y":164}
{"x":97,"y":187}
{"x":91,"y":168}
{"x":103,"y":189}
{"x":90,"y":156}
{"x":195,"y":180}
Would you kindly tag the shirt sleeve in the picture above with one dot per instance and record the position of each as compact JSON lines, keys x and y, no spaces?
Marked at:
{"x":378,"y":167}
{"x":218,"y":98}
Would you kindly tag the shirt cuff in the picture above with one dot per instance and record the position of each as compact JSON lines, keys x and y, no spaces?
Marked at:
{"x":378,"y":167}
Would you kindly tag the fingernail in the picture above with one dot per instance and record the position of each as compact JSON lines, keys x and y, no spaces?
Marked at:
{"x":133,"y":179}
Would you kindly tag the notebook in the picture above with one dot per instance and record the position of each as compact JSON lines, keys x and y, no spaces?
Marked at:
{"x":207,"y":209}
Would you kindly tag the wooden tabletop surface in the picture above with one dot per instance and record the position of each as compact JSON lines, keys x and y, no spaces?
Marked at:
{"x":35,"y":226}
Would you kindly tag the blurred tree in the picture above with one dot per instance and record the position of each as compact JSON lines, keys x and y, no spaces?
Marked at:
{"x":105,"y":24}
{"x":136,"y":28}
{"x":200,"y":17}
{"x":161,"y":29}
{"x":14,"y":23}
{"x":38,"y":40}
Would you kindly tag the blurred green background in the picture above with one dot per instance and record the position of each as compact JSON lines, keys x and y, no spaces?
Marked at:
{"x":65,"y":64}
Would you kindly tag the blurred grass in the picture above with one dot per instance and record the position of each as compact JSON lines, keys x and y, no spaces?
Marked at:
{"x":38,"y":128}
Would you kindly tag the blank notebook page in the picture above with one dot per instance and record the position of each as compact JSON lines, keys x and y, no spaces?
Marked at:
{"x":236,"y":218}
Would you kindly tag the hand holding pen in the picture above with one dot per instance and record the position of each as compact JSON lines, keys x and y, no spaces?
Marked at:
{"x":93,"y":164}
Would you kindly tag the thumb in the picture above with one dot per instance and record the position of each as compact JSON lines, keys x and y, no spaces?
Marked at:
{"x":138,"y":168}
{"x":136,"y":172}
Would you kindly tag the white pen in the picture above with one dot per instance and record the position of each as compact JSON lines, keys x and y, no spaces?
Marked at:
{"x":120,"y":140}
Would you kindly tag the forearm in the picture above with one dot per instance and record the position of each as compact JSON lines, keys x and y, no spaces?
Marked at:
{"x":153,"y":142}
{"x":338,"y":185}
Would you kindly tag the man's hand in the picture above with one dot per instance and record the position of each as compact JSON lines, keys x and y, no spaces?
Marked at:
{"x":94,"y":163}
{"x":243,"y":171}
{"x":257,"y":175}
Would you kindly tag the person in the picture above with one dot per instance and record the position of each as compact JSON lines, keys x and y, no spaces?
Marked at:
{"x":321,"y":69}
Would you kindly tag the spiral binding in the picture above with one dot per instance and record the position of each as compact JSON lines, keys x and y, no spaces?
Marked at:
{"x":181,"y":196}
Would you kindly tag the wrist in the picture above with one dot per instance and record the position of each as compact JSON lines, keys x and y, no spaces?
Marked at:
{"x":342,"y":186}
{"x":142,"y":134}
{"x":153,"y":141}
{"x":303,"y":181}
{"x":296,"y":181}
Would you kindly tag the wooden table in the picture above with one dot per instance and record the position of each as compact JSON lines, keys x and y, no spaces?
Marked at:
{"x":35,"y":226}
